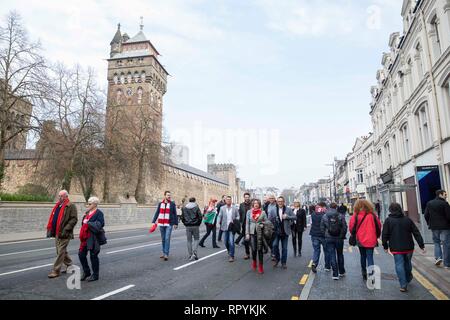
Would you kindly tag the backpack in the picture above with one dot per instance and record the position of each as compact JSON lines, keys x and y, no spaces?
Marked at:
{"x":334,"y":225}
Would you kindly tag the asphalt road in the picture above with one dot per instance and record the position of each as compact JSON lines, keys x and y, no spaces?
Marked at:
{"x":130,"y":268}
{"x":130,"y":262}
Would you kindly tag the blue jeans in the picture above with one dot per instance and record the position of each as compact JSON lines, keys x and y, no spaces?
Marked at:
{"x":366,"y":258}
{"x":284,"y":248}
{"x":442,"y":237}
{"x":166,"y":232}
{"x":229,"y":242}
{"x":403,"y":267}
{"x":335,"y":253}
{"x":317,"y":242}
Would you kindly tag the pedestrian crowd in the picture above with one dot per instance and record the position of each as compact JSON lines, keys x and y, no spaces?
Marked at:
{"x":265,"y":228}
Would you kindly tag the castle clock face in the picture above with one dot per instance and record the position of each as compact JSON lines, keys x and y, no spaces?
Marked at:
{"x":129,"y":91}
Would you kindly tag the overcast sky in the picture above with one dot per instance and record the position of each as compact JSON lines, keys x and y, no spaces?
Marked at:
{"x":278,"y":87}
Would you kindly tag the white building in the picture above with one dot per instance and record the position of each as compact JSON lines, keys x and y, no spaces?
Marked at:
{"x":411,"y":108}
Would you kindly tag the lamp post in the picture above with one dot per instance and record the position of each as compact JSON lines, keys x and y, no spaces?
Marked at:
{"x":334,"y":178}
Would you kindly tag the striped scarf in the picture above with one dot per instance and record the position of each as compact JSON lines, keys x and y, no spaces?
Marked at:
{"x":164,"y":214}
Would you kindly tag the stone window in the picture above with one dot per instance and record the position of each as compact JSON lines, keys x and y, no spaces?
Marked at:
{"x":406,"y":143}
{"x":143,"y":76}
{"x":129,"y":77}
{"x":423,"y":126}
{"x":139,"y":93}
{"x":136,"y":77}
{"x":119,"y":96}
{"x":116,"y":78}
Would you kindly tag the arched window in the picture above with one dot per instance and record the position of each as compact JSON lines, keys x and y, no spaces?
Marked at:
{"x":406,"y":143}
{"x":136,"y":77}
{"x":419,"y":61}
{"x":122,"y":78}
{"x":423,"y":124}
{"x":116,"y":78}
{"x":139,"y":93}
{"x":129,"y":77}
{"x":387,"y":153}
{"x":143,"y":76}
{"x":119,"y":96}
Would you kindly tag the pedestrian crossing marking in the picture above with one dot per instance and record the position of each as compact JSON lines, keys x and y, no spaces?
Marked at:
{"x":438,"y":294}
{"x":303,"y":280}
{"x":295,"y":298}
{"x":350,"y":249}
{"x":310,"y":264}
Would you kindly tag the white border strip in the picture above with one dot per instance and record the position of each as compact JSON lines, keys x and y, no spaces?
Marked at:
{"x":194,"y":262}
{"x":134,"y":248}
{"x":22,"y":270}
{"x":114,"y":292}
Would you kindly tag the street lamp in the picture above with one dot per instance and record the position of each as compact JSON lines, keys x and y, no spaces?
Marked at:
{"x":334,"y":178}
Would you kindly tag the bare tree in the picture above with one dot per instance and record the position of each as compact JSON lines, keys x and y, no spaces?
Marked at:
{"x":71,"y":148}
{"x":22,"y":82}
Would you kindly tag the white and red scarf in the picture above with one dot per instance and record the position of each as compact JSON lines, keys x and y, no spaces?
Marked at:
{"x":164,"y":214}
{"x":60,"y":216}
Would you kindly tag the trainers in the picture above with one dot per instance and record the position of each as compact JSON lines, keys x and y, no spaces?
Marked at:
{"x":438,"y":262}
{"x":327,"y":270}
{"x":335,"y":278}
{"x":166,"y":258}
{"x":342,"y":275}
{"x":231,"y":259}
{"x":195,"y":257}
{"x":404,"y":289}
{"x":314,"y":268}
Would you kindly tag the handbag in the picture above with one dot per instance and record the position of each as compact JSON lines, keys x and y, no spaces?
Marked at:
{"x":101,"y":237}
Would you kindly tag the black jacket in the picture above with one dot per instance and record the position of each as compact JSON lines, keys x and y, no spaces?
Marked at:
{"x":300,"y":222}
{"x":437,"y":214}
{"x":218,"y":206}
{"x":316,"y":219}
{"x":398,"y":231}
{"x":191,"y":216}
{"x":95,"y":225}
{"x":243,"y":209}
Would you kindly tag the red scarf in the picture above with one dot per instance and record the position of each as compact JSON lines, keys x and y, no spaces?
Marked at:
{"x":164,"y":213}
{"x":256,"y":213}
{"x":84,"y":231}
{"x":60,"y":217}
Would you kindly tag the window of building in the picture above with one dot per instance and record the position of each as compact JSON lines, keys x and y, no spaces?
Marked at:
{"x":387,"y":153}
{"x":360,"y":176}
{"x":143,"y":76}
{"x":406,"y":143}
{"x":435,"y":37}
{"x":116,"y":78}
{"x":423,"y":125}
{"x":419,"y":61}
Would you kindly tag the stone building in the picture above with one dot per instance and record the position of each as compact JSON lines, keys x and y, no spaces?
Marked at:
{"x":411,"y":109}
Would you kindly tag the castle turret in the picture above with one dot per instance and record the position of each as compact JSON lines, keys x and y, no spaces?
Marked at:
{"x":116,"y":42}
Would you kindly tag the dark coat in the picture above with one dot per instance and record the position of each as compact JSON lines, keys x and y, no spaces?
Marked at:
{"x":398,"y":232}
{"x":173,"y":217}
{"x":68,"y":222}
{"x":243,"y":209}
{"x":437,"y":214}
{"x":299,"y":224}
{"x":324,"y":224}
{"x":95,"y":225}
{"x":191,"y":215}
{"x":316,"y":219}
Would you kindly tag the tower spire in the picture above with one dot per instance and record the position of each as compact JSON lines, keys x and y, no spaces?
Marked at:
{"x":142,"y":23}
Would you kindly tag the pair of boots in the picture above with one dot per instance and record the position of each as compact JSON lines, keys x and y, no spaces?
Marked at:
{"x":260,"y":267}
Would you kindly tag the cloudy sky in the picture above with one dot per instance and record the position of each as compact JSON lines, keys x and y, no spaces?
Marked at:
{"x":278,"y":87}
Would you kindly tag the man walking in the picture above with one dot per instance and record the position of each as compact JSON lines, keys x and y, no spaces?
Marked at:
{"x":317,"y":236}
{"x":243,"y":209}
{"x":271,"y":210}
{"x":61,"y":223}
{"x":219,"y":205}
{"x":437,"y":215}
{"x":334,"y":227}
{"x":228,"y":216}
{"x":167,"y":219}
{"x":282,"y":220}
{"x":192,"y":218}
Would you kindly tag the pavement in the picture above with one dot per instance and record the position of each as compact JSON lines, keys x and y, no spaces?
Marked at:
{"x":130,"y":269}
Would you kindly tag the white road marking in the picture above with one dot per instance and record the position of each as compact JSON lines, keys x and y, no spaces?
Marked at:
{"x":132,"y":237}
{"x":28,"y":251}
{"x":114,"y":292}
{"x":134,"y":248}
{"x":24,"y":241}
{"x":27,"y":269}
{"x":194,"y":262}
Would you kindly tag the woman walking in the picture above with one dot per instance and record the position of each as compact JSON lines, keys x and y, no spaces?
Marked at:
{"x":253,"y":233}
{"x":209,"y":216}
{"x":398,"y":232}
{"x":366,"y":226}
{"x":92,"y":236}
{"x":298,"y":227}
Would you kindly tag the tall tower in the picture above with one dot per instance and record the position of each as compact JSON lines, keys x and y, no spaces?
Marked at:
{"x":137,"y":82}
